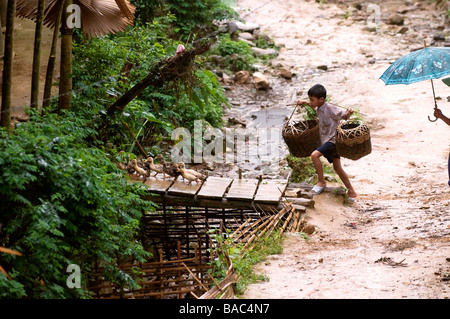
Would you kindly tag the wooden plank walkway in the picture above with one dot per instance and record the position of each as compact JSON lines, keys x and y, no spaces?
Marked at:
{"x":216,"y":191}
{"x":242,"y":189}
{"x":214,"y":187}
{"x":270,"y":190}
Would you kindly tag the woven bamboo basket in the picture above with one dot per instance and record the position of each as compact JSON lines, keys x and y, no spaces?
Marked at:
{"x":302,"y":137}
{"x":353,"y":140}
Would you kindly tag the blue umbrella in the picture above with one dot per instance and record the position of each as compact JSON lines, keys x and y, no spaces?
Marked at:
{"x":425,"y":64}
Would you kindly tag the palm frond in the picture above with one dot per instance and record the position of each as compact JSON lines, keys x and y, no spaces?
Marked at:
{"x":98,"y":17}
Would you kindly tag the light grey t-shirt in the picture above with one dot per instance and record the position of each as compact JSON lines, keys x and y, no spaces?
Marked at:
{"x":329,"y":118}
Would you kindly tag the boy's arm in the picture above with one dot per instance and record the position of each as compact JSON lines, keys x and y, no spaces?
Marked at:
{"x":347,"y":114}
{"x":338,"y":113}
{"x":301,"y":102}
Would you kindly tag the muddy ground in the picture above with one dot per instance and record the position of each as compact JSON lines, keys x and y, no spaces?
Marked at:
{"x":394,"y":242}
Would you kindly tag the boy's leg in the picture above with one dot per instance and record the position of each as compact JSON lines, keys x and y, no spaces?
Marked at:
{"x":344,"y":177}
{"x":315,"y":156}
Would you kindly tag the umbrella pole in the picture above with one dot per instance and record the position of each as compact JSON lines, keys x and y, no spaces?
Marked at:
{"x":435,"y":104}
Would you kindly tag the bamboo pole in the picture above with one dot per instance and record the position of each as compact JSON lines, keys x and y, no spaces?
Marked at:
{"x":288,"y":219}
{"x":52,"y":59}
{"x":65,"y":81}
{"x":5,"y":120}
{"x":36,"y":69}
{"x":194,"y":276}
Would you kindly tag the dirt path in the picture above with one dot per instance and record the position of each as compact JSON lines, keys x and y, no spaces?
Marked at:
{"x":402,"y":214}
{"x":22,"y":65}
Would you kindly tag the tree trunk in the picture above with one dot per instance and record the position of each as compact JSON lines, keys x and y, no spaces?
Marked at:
{"x":35,"y":75}
{"x":52,"y":60}
{"x":3,"y":8}
{"x":65,"y":82}
{"x":2,"y":39}
{"x":7,"y":65}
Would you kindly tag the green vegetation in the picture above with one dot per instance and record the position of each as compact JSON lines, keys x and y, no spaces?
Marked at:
{"x":243,"y":259}
{"x":237,"y":55}
{"x":63,"y":199}
{"x":63,"y":202}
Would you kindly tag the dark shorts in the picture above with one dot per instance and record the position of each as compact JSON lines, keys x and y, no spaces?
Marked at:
{"x":329,"y":151}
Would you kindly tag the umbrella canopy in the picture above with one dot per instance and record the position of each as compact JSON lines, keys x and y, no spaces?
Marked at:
{"x":425,"y":64}
{"x":98,"y":17}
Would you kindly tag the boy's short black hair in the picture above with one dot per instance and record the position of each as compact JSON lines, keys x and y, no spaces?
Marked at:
{"x":318,"y":91}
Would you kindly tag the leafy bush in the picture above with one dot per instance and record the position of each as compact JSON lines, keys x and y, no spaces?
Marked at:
{"x":243,"y":259}
{"x":156,"y":111}
{"x":238,"y":55}
{"x":62,"y":202}
{"x":194,"y":18}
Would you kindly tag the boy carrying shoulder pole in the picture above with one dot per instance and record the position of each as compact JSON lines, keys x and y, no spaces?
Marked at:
{"x":329,"y":118}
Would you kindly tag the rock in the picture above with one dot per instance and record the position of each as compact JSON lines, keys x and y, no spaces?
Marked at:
{"x":226,"y":79}
{"x":403,"y":30}
{"x":21,"y":117}
{"x":370,"y":29}
{"x":260,"y":81}
{"x":263,"y":52}
{"x":242,"y":77}
{"x":250,"y":27}
{"x":217,"y":59}
{"x":439,"y":37}
{"x":358,"y":6}
{"x":404,"y":10}
{"x":308,"y":229}
{"x":246,"y":36}
{"x":237,"y":121}
{"x":232,"y":27}
{"x":395,"y":19}
{"x":250,"y":43}
{"x":285,"y":73}
{"x":323,"y":67}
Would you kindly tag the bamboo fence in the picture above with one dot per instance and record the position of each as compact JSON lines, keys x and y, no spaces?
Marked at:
{"x":181,"y":238}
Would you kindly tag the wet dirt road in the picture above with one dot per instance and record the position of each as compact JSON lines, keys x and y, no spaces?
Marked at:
{"x":395,"y":241}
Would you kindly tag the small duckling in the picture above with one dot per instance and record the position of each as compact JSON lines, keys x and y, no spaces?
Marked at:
{"x":186,"y":175}
{"x":157,"y":168}
{"x":169,"y":168}
{"x":130,"y":167}
{"x":181,"y":165}
{"x":139,"y":170}
{"x":122,"y":166}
